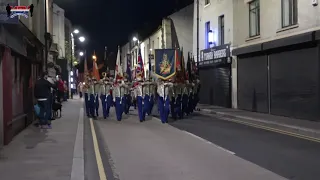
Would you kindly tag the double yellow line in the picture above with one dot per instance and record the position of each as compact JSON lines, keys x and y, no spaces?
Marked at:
{"x":102,"y":173}
{"x":309,"y":138}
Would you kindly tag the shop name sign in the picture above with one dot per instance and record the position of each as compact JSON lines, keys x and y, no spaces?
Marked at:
{"x":215,"y":55}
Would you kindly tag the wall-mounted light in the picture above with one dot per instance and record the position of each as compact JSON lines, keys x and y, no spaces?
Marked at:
{"x":212,"y":39}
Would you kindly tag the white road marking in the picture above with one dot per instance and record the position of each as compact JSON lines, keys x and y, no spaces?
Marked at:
{"x":206,"y":141}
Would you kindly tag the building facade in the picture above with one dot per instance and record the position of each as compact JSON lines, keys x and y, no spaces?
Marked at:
{"x":216,"y":40}
{"x":277,"y":48}
{"x":58,"y":30}
{"x":21,"y":61}
{"x":175,"y":31}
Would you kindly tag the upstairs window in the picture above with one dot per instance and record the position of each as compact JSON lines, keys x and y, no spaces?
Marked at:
{"x":289,"y":13}
{"x":254,"y":18}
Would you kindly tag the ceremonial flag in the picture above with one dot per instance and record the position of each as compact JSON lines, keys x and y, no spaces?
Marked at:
{"x":183,"y":65}
{"x":150,"y":70}
{"x":118,"y":70}
{"x":165,"y":66}
{"x":129,"y":73}
{"x":140,"y":66}
{"x":95,"y":69}
{"x":189,"y":67}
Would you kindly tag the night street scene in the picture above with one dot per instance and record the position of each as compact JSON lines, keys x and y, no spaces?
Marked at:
{"x":159,"y":90}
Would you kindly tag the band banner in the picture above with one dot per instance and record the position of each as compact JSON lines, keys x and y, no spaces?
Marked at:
{"x":165,"y":63}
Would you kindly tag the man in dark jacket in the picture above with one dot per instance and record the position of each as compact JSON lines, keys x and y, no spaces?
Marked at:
{"x":42,"y":92}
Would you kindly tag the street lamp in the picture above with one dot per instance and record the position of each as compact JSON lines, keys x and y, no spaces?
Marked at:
{"x":82,"y":39}
{"x":135,"y":39}
{"x":81,"y":53}
{"x":94,"y":57}
{"x":76,"y":31}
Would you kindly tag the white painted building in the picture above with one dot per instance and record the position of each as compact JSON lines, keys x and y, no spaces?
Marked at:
{"x":58,"y":30}
{"x":277,"y":47}
{"x":175,"y":31}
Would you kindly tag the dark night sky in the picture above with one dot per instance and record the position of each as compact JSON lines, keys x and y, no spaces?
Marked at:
{"x":111,"y":22}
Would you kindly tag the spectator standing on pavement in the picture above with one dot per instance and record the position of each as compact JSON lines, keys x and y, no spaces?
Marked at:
{"x":42,"y":92}
{"x":51,"y":99}
{"x":65,"y":92}
{"x":60,"y":89}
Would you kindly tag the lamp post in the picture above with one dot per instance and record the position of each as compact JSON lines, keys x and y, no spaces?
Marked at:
{"x":45,"y":36}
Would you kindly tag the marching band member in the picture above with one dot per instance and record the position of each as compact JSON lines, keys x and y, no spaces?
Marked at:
{"x":96,"y":96}
{"x":196,"y":93}
{"x":168,"y":86}
{"x":173,"y":97}
{"x":86,"y":97}
{"x":133,"y":94}
{"x":153,"y":91}
{"x":178,"y":92}
{"x":190,"y":98}
{"x":127,"y":96}
{"x":117,"y":97}
{"x":161,"y":99}
{"x":123,"y":88}
{"x":146,"y":97}
{"x":103,"y":95}
{"x":108,"y":85}
{"x":91,"y":98}
{"x":185,"y":98}
{"x":139,"y":97}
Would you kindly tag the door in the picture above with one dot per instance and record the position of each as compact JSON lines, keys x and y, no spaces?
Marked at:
{"x":216,"y":86}
{"x":1,"y":106}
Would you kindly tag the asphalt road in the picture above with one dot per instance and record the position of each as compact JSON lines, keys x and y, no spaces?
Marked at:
{"x":131,"y":150}
{"x":287,"y":156}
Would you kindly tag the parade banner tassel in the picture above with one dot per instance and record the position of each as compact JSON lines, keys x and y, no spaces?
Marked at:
{"x":165,"y":63}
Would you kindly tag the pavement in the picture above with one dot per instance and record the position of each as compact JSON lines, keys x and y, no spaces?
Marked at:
{"x":301,"y":127}
{"x":44,"y":154}
{"x":200,"y":147}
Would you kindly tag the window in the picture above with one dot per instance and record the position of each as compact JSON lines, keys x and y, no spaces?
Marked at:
{"x":207,"y":45}
{"x":289,"y":12}
{"x":254,"y":18}
{"x":207,"y":2}
{"x":221,"y":30}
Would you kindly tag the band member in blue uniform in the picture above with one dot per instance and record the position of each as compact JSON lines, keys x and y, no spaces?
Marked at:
{"x":161,"y":99}
{"x":91,"y":98}
{"x":190,"y":98}
{"x":108,"y":85}
{"x":178,"y":92}
{"x":123,"y":87}
{"x":153,"y":91}
{"x":127,"y":95}
{"x":103,"y":95}
{"x":139,"y":97}
{"x":117,"y":97}
{"x":96,"y":96}
{"x":196,"y":93}
{"x":86,"y":97}
{"x":146,"y":97}
{"x":168,"y":86}
{"x":185,"y":98}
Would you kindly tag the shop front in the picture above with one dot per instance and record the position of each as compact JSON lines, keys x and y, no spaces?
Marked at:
{"x":215,"y":76}
{"x":281,"y":77}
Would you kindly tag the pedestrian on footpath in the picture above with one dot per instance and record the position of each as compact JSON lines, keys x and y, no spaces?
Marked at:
{"x":60,"y":89}
{"x":42,"y":92}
